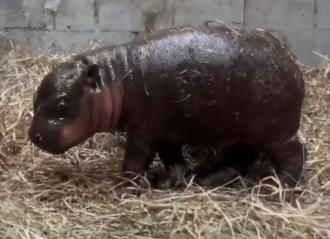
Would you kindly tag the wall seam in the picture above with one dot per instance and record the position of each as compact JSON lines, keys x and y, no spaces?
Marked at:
{"x":96,"y":11}
{"x":315,"y":15}
{"x":244,"y":13}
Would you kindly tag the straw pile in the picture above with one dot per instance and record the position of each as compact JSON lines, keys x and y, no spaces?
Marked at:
{"x":70,"y":196}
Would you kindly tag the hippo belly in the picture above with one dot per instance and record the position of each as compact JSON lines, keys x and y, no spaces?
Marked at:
{"x":208,"y":94}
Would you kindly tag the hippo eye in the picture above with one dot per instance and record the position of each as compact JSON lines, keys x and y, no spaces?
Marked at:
{"x":62,"y":109}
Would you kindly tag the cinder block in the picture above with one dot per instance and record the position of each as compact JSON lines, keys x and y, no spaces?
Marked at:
{"x":302,"y":44}
{"x":34,"y":10}
{"x":280,"y":14}
{"x":199,"y":11}
{"x":12,"y":14}
{"x":71,"y":41}
{"x":323,"y":14}
{"x":16,"y":35}
{"x":110,"y":38}
{"x":135,"y":15}
{"x":6,"y":44}
{"x":38,"y":40}
{"x":322,"y":43}
{"x":75,"y":15}
{"x":64,"y":40}
{"x":19,"y":13}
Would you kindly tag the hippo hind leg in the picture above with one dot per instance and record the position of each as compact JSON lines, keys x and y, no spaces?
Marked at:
{"x":235,"y":161}
{"x":288,"y":158}
{"x":176,"y":169}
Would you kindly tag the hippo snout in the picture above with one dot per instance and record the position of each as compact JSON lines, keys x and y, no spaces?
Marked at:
{"x":34,"y":137}
{"x":48,"y":142}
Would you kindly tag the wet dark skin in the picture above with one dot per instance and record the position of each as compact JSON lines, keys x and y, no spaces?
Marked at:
{"x":197,"y":85}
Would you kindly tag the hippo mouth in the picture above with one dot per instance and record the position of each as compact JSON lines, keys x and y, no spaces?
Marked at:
{"x":99,"y":113}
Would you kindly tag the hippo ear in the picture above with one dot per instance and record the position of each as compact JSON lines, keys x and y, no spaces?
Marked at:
{"x":93,"y":76}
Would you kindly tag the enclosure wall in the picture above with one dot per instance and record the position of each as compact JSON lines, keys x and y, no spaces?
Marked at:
{"x":303,"y":25}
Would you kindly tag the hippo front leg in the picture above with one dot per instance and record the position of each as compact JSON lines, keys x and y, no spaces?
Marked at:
{"x":139,"y":152}
{"x":176,"y":169}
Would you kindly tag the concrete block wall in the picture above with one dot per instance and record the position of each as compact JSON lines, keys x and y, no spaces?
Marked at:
{"x":303,"y":25}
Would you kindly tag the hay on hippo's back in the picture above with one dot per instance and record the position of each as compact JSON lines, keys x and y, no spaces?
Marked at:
{"x":69,"y":196}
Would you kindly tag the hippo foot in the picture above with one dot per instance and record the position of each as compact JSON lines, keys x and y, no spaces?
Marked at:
{"x":213,"y":174}
{"x":123,"y":192}
{"x":133,"y":188}
{"x":288,"y":158}
{"x":204,"y":170}
{"x":218,"y":178}
{"x":173,"y":179}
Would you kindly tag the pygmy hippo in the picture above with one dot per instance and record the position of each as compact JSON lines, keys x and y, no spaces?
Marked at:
{"x":197,"y":84}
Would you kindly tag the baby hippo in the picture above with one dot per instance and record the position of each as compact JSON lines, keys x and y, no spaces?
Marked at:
{"x":198,"y":84}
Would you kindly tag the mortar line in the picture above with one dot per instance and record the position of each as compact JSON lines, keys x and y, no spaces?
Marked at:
{"x":173,"y":12}
{"x":244,"y":12}
{"x":314,"y":16}
{"x":96,"y":11}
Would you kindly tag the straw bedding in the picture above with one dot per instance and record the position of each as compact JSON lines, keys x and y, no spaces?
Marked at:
{"x":70,"y":196}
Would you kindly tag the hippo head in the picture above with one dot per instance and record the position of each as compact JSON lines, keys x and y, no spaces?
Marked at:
{"x":71,"y":104}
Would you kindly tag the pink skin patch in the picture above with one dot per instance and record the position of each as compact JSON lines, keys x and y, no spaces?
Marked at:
{"x":99,"y":112}
{"x":117,"y":98}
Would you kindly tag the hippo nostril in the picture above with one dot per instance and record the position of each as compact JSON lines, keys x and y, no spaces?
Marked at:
{"x":38,"y":138}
